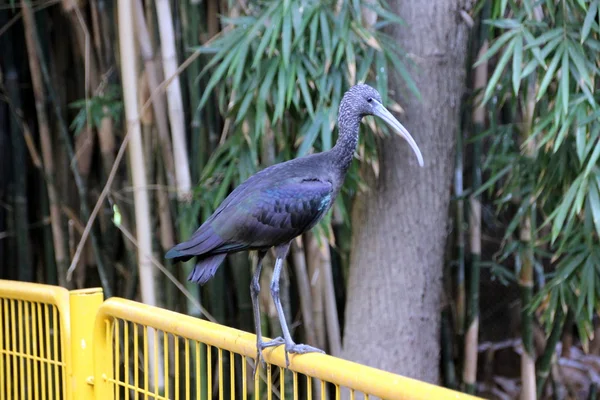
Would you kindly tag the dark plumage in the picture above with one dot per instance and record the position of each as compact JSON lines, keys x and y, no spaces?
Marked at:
{"x":281,"y":202}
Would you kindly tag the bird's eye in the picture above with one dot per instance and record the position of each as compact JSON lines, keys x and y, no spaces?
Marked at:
{"x":370,"y":99}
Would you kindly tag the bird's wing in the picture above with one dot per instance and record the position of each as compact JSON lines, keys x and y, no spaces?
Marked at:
{"x":273,"y":215}
{"x":259,"y":216}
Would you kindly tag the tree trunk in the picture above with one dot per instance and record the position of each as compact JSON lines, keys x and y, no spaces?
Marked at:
{"x":394,"y":288}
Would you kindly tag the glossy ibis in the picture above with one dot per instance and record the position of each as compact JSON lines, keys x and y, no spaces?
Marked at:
{"x":281,"y":202}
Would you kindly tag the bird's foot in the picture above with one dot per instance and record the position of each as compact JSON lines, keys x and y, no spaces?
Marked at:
{"x":299,"y":349}
{"x":260,"y":346}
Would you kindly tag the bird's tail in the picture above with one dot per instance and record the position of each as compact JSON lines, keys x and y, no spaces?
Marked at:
{"x":206,"y":268}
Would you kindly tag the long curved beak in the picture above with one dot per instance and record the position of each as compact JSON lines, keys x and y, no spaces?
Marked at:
{"x":389,"y":119}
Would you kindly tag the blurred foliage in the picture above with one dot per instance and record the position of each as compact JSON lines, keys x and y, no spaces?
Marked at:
{"x":280,"y":72}
{"x":106,"y":104}
{"x":552,"y":47}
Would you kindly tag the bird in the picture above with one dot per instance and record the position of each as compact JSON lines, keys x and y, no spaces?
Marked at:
{"x":279,"y":203}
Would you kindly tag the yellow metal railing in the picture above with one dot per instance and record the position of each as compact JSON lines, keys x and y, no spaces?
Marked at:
{"x":83,"y":348}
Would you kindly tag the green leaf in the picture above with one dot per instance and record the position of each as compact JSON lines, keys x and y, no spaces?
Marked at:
{"x":286,"y":38}
{"x":498,"y":43}
{"x":326,"y":132}
{"x":594,"y":204}
{"x":491,"y":86}
{"x":280,"y":101}
{"x":314,"y":24}
{"x":549,"y":73}
{"x":517,"y":60}
{"x":305,"y":92}
{"x":267,"y":36}
{"x":589,"y":19}
{"x":564,"y":82}
{"x":493,"y":179}
{"x":580,"y":62}
{"x":564,"y":208}
{"x":592,"y":161}
{"x":505,"y":23}
{"x":310,"y":136}
{"x":326,"y":38}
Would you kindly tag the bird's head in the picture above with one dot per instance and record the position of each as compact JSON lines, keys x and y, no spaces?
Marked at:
{"x":362,"y":100}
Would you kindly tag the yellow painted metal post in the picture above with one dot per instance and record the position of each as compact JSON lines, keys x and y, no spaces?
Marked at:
{"x":84,"y":306}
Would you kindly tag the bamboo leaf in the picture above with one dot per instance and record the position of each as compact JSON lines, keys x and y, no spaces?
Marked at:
{"x":326,"y":37}
{"x":594,"y":204}
{"x":498,"y":43}
{"x":280,"y":101}
{"x":564,"y":208}
{"x":325,"y":131}
{"x":517,"y":60}
{"x":266,"y":37}
{"x":286,"y":38}
{"x":592,"y":161}
{"x":305,"y":92}
{"x":314,"y":24}
{"x":549,"y":74}
{"x":580,"y":64}
{"x":491,"y":86}
{"x":310,"y":136}
{"x":564,"y":82}
{"x":589,"y":19}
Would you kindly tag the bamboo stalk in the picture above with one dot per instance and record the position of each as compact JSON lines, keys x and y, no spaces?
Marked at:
{"x":158,"y":101}
{"x":21,"y":214}
{"x":135,"y":151}
{"x":332,"y":321}
{"x":175,"y":105}
{"x":313,"y":260}
{"x":528,"y":391}
{"x":544,"y":363}
{"x":304,"y":292}
{"x":190,"y":19}
{"x":449,"y":374}
{"x":472,"y":335}
{"x":60,"y":250}
{"x":136,"y":158}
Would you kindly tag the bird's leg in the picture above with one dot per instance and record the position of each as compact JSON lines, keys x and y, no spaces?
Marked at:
{"x":254,"y":292}
{"x":290,"y":346}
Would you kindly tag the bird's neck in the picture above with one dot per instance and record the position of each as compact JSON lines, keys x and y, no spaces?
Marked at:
{"x":347,"y":140}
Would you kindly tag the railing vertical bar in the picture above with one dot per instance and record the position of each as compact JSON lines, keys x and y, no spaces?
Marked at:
{"x":244,"y":379}
{"x":21,"y":348}
{"x":155,"y":361}
{"x":28,"y":339}
{"x":209,"y":370}
{"x":176,"y":344}
{"x":187,"y":369}
{"x":13,"y":323}
{"x":232,"y":375}
{"x":166,"y":362}
{"x":295,"y":384}
{"x":269,"y":383}
{"x":117,"y":344}
{"x":136,"y":374}
{"x":197,"y":367}
{"x":282,"y":383}
{"x":220,"y":372}
{"x":56,"y":357}
{"x":126,"y":356}
{"x":146,"y":369}
{"x":42,"y":349}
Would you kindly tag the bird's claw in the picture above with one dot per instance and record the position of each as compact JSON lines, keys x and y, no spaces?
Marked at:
{"x":260,"y":346}
{"x":299,"y":349}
